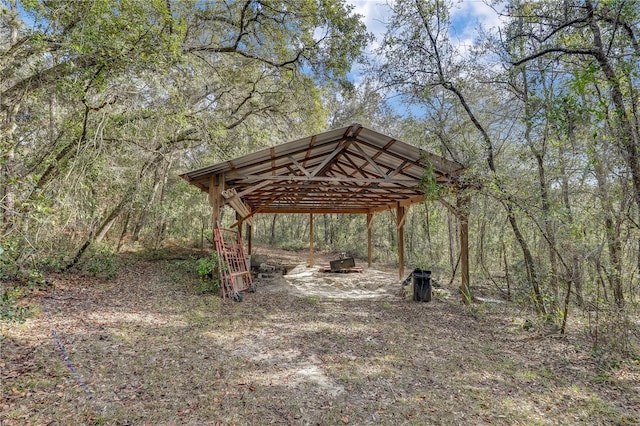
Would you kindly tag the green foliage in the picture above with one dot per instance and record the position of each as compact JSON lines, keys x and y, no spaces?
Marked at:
{"x":8,"y":267}
{"x":103,"y":262}
{"x":19,"y":263}
{"x":429,"y":184}
{"x":9,"y":309}
{"x":207,"y":268}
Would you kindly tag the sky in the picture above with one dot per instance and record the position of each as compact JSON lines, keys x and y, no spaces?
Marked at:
{"x":467,"y":15}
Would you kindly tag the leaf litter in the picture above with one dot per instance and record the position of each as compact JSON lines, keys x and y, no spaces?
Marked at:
{"x":307,"y":348}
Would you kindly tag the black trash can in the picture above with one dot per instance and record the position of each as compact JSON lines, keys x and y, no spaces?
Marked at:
{"x":421,"y":285}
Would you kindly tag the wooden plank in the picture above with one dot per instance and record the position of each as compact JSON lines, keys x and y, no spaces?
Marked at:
{"x":252,"y":189}
{"x":384,"y":149}
{"x":329,"y":157}
{"x":357,"y":168}
{"x":369,"y":160}
{"x":327,"y":268}
{"x":258,"y":210}
{"x":272,"y":153}
{"x":312,"y":142}
{"x":299,"y":166}
{"x":398,"y":169}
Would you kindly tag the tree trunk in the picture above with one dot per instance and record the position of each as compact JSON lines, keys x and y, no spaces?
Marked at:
{"x":7,"y":137}
{"x":575,"y":271}
{"x":123,"y":234}
{"x":126,"y":199}
{"x":528,"y":262}
{"x":452,"y":250}
{"x":272,"y":241}
{"x":162,"y":226}
{"x":102,"y":230}
{"x":325,"y":223}
{"x":612,"y":232}
{"x":548,"y":229}
{"x":627,"y":140}
{"x":142,"y":217}
{"x":506,"y":201}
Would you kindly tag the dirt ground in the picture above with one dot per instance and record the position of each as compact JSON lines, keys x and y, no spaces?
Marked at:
{"x":145,"y":348}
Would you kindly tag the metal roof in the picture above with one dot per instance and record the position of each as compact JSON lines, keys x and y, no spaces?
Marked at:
{"x":347,"y":170}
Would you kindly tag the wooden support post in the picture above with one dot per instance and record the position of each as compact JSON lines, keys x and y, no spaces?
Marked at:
{"x":463,"y":202}
{"x":249,"y":236}
{"x":310,"y":240}
{"x":369,"y":248}
{"x":400,"y":223}
{"x":239,"y":220}
{"x":215,"y":198}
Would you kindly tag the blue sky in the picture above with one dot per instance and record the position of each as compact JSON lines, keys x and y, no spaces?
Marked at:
{"x":467,"y":15}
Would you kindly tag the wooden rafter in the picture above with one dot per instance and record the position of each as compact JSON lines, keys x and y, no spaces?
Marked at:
{"x":350,"y":169}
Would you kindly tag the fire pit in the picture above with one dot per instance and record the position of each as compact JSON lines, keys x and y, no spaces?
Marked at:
{"x":342,"y":265}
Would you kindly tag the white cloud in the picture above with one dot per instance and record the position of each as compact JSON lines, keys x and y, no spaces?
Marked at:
{"x":375,"y":14}
{"x":466,"y":16}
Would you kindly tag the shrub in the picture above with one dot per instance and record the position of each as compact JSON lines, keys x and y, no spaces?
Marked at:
{"x":9,"y":309}
{"x":207,"y":270}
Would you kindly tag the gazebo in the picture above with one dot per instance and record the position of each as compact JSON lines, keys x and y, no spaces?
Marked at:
{"x":351,"y":169}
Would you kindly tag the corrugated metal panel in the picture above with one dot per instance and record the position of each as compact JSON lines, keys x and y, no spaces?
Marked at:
{"x":373,"y":170}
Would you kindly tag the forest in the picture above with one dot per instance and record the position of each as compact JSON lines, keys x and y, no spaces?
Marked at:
{"x":103,"y":104}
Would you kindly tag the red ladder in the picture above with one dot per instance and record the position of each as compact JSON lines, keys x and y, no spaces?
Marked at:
{"x":234,"y":271}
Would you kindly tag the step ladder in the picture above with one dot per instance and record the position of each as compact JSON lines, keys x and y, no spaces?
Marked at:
{"x":234,"y":270}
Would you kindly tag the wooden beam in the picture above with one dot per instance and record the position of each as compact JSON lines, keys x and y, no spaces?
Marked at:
{"x":249,"y":237}
{"x":398,"y":169}
{"x":249,"y":190}
{"x":328,"y":158}
{"x":312,"y":142}
{"x":291,"y":178}
{"x":463,"y":202}
{"x":311,"y":240}
{"x":405,"y":210}
{"x":239,"y":222}
{"x":299,"y":166}
{"x":369,"y":160}
{"x":404,"y":203}
{"x":258,"y":210}
{"x":400,"y":212}
{"x":384,"y":148}
{"x":312,"y":210}
{"x":357,"y":169}
{"x":369,"y":247}
{"x":215,"y":197}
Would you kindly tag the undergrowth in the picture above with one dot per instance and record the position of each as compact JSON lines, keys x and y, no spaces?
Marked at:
{"x":9,"y":308}
{"x":207,"y":268}
{"x":103,"y":262}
